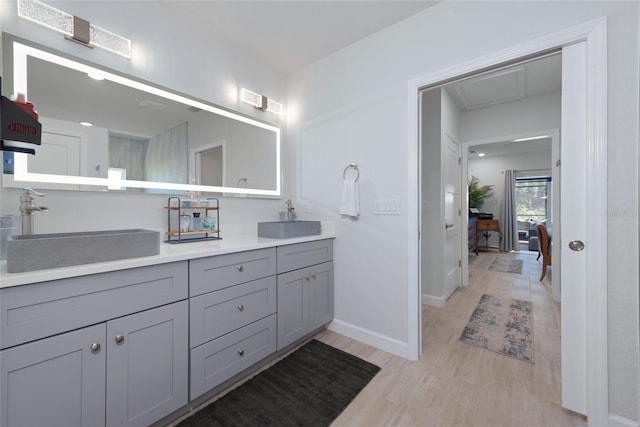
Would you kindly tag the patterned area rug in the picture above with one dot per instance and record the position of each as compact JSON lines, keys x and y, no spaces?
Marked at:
{"x":507,"y":265}
{"x":502,"y":325}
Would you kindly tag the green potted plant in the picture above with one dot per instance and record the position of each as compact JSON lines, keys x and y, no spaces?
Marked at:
{"x":478,"y":193}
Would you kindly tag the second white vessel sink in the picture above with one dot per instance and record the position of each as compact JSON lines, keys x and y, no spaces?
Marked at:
{"x":288,"y":229}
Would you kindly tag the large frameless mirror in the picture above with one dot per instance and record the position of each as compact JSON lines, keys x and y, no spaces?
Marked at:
{"x":105,"y":131}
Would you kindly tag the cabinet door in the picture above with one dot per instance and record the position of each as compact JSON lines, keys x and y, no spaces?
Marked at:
{"x":292,"y":311}
{"x":320,"y":295}
{"x":305,"y":302}
{"x":147,"y":367}
{"x":57,"y":381}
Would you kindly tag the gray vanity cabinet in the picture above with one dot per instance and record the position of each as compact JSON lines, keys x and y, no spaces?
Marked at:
{"x":305,"y":293}
{"x":106,"y":349}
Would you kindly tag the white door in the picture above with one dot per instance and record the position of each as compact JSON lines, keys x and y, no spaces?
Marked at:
{"x":451,"y":194}
{"x":59,"y":154}
{"x":573,"y":149}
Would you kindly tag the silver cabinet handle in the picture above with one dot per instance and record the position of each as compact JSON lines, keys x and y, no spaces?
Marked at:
{"x":313,"y":276}
{"x":241,"y":352}
{"x":240,"y":268}
{"x":119,"y":339}
{"x":95,"y":347}
{"x":240,"y":307}
{"x":307,"y":278}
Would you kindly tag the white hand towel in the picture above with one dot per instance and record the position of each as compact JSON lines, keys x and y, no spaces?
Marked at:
{"x":350,"y":204}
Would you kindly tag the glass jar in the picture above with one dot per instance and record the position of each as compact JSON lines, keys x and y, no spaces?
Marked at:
{"x":196,"y":222}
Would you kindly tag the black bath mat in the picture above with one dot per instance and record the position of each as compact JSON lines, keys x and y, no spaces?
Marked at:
{"x":310,"y":387}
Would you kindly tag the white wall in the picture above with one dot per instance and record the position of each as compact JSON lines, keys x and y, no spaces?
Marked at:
{"x":352,"y":106}
{"x":181,"y":58}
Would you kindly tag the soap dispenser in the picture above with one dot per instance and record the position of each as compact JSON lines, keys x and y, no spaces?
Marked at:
{"x":196,"y":222}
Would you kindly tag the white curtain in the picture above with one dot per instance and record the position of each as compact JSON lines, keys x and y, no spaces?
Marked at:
{"x":509,"y":219}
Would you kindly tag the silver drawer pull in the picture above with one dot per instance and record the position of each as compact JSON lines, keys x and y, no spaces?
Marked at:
{"x":240,"y":307}
{"x":240,"y":268}
{"x":306,"y":278}
{"x":119,"y":339}
{"x":95,"y":347}
{"x":313,"y":276}
{"x":241,"y":352}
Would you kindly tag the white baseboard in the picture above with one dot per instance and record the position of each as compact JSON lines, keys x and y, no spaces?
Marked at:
{"x":618,"y":421}
{"x":438,"y":302}
{"x":385,"y":343}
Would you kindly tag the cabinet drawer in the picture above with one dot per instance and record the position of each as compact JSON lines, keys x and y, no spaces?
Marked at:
{"x":39,"y":310}
{"x":218,"y":360}
{"x":217,"y":313}
{"x":299,"y":255}
{"x":219,"y":272}
{"x":488,"y":225}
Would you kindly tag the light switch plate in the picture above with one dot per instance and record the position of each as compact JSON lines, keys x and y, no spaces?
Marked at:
{"x":386,"y":207}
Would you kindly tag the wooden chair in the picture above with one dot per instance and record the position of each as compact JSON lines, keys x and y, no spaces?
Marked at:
{"x":545,"y":248}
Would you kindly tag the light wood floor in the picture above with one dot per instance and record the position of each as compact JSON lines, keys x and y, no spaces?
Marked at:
{"x":458,"y":384}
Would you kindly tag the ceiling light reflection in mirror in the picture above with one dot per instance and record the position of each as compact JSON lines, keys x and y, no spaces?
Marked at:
{"x":22,"y":52}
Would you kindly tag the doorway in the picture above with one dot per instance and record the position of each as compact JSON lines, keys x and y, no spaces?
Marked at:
{"x":585,"y":124}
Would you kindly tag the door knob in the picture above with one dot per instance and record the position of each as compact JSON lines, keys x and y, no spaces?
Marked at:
{"x":576,"y":245}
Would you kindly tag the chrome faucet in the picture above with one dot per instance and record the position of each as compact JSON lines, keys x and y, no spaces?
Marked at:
{"x":28,"y":207}
{"x":290,"y":210}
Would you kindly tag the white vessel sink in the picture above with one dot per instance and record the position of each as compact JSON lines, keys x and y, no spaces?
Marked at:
{"x":288,"y":229}
{"x":41,"y":251}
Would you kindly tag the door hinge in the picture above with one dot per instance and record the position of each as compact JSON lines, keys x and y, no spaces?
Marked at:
{"x":558,"y":163}
{"x":459,"y":212}
{"x":459,"y":160}
{"x":459,"y":263}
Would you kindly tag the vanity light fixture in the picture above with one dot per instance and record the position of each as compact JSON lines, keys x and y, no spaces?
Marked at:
{"x":260,"y":102}
{"x":73,"y":27}
{"x":87,"y":124}
{"x":481,"y":154}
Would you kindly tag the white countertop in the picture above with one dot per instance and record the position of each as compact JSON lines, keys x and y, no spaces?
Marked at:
{"x":168,"y":253}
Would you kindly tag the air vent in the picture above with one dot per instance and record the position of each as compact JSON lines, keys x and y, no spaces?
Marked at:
{"x":152,"y":105}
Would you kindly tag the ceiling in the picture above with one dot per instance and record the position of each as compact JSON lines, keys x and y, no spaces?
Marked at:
{"x":288,"y":35}
{"x":513,"y":83}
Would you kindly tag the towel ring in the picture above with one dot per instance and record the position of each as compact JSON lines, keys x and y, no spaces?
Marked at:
{"x":351,"y":166}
